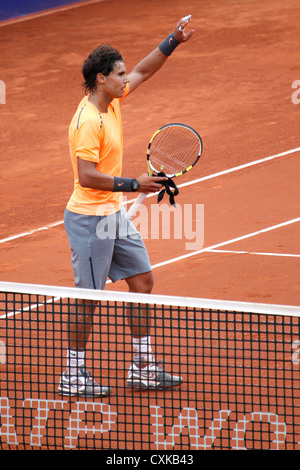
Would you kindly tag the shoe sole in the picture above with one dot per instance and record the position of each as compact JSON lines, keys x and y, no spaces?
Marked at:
{"x":72,"y":393}
{"x":151,"y":386}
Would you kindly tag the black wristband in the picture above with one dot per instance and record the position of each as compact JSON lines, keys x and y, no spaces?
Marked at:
{"x":168,"y":45}
{"x":123,"y":185}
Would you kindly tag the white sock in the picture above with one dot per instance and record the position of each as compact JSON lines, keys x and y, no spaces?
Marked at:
{"x":75,"y":359}
{"x":142,"y":351}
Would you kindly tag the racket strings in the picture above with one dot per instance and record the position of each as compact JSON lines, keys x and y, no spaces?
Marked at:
{"x":172,"y":166}
{"x":174,"y":149}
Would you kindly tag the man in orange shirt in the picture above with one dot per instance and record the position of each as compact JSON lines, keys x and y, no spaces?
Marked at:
{"x":96,"y":149}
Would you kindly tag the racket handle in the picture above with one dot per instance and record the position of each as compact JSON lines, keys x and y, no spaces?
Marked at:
{"x":134,"y":207}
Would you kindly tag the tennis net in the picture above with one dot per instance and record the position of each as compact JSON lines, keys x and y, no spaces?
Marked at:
{"x":239,"y":363}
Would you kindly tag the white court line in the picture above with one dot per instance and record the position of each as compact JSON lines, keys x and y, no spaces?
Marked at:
{"x":51,"y":11}
{"x":31,"y":232}
{"x":189,"y":183}
{"x":29,"y":308}
{"x":258,"y":253}
{"x":194,"y":253}
{"x":227,"y":242}
{"x":242,"y":167}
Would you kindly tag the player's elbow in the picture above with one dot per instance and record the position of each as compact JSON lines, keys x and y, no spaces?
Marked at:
{"x":83,"y":181}
{"x":84,"y":173}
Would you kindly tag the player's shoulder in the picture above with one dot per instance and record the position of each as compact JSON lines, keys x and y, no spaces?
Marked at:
{"x":87,"y":114}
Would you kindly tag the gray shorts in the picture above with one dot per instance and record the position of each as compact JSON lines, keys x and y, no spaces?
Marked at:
{"x":104,"y":246}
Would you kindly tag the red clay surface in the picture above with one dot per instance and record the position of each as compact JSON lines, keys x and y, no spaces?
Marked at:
{"x":232,"y":82}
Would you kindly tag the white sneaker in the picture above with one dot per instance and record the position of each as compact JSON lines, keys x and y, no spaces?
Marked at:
{"x":151,"y":377}
{"x":81,"y":384}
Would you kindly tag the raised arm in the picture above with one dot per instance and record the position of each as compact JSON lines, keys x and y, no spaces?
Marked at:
{"x":155,"y":60}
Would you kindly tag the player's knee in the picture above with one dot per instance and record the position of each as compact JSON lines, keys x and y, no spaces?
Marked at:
{"x":148,"y":283}
{"x":141,"y":283}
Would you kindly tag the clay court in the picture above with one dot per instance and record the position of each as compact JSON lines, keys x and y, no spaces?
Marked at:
{"x":232,"y":82}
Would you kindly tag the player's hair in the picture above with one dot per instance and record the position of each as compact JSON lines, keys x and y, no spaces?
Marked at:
{"x":101,"y":60}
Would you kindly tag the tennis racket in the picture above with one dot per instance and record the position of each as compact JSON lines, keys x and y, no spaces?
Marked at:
{"x":172,"y":151}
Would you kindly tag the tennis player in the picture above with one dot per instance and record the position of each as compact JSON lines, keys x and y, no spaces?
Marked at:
{"x":94,"y":217}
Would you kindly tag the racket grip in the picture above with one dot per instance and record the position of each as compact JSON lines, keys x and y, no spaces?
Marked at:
{"x":134,"y":207}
